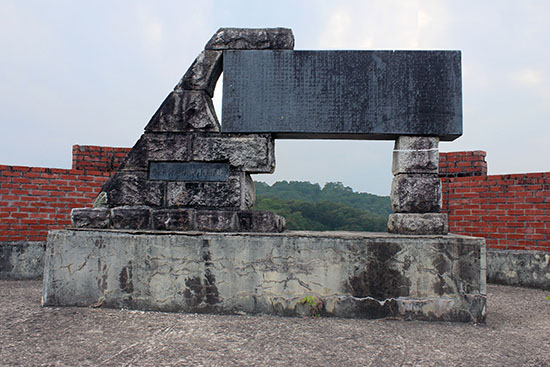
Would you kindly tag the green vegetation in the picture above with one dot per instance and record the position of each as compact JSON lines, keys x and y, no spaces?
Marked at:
{"x":334,"y":207}
{"x":315,"y":305}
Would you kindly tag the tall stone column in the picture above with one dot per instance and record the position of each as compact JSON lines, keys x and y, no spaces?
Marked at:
{"x":416,"y":188}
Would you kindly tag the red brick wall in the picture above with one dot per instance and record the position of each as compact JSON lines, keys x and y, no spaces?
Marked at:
{"x":460,"y":164}
{"x":34,"y":200}
{"x":94,"y":158}
{"x":511,"y":211}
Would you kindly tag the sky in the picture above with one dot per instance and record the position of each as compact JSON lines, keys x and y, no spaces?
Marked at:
{"x":94,"y":72}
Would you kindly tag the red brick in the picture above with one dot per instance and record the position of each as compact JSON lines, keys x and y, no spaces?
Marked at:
{"x":32,"y":174}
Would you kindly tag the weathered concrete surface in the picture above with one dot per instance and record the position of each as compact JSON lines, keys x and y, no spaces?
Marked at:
{"x":22,"y":260}
{"x":519,"y":268}
{"x":348,"y":274}
{"x":517,"y":333}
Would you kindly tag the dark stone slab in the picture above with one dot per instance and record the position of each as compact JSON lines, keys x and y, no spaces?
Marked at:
{"x":174,"y":219}
{"x":157,"y":147}
{"x":90,"y":218}
{"x":260,"y":221}
{"x":131,"y":218}
{"x":188,"y":171}
{"x":185,"y":110}
{"x":343,"y":94}
{"x":251,"y":39}
{"x":133,"y":188}
{"x":203,"y":73}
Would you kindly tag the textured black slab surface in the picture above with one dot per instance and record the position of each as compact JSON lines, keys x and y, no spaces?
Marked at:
{"x":188,"y":171}
{"x":343,"y":94}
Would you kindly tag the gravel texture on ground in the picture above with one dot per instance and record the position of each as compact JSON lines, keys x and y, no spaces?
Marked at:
{"x":517,"y":333}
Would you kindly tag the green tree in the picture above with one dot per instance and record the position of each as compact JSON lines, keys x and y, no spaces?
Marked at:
{"x":334,"y":207}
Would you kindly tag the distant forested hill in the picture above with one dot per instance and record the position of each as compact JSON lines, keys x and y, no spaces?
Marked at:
{"x":331,"y":208}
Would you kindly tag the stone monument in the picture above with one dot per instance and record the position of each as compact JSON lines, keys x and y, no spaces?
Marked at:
{"x":172,"y":230}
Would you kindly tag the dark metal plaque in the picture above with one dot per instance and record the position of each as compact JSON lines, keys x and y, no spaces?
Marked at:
{"x":188,"y":171}
{"x":343,"y":94}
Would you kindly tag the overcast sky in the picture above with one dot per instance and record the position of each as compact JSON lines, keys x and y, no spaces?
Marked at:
{"x":94,"y":72}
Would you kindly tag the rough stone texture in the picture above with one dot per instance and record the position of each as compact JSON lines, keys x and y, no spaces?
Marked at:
{"x":519,"y":268}
{"x":157,"y":147}
{"x":174,"y":219}
{"x":178,"y":219}
{"x":182,"y":162}
{"x":375,"y":275}
{"x":203,"y":73}
{"x":250,"y":153}
{"x":405,"y":142}
{"x":90,"y":218}
{"x":414,"y":161}
{"x":251,"y":39}
{"x":248,"y":193}
{"x":185,"y":110}
{"x":216,"y":220}
{"x":260,"y":221}
{"x":101,"y":201}
{"x":418,"y":224}
{"x":131,"y":218}
{"x":22,"y":260}
{"x":133,"y":188}
{"x":416,"y":193}
{"x":343,"y":94}
{"x":415,"y":154}
{"x":235,"y":193}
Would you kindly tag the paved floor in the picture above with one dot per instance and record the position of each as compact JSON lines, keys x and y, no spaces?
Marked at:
{"x":517,"y":333}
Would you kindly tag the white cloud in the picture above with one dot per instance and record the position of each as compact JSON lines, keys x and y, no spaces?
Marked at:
{"x":150,"y":26}
{"x":527,"y":77}
{"x":338,"y":30}
{"x":385,"y":24}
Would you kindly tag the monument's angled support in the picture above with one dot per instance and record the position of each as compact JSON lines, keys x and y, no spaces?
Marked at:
{"x":172,"y":230}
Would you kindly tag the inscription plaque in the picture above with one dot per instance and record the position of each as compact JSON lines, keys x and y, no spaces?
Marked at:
{"x":343,"y":94}
{"x":188,"y":171}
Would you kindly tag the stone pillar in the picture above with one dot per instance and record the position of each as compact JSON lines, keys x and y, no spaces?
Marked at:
{"x":416,"y":187}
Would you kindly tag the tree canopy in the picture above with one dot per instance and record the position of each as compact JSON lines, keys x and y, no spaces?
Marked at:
{"x":307,"y":206}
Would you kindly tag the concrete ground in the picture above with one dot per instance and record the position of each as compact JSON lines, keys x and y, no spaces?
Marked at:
{"x":517,"y":333}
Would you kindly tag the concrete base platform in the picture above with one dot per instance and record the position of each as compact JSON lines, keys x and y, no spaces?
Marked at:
{"x":343,"y":274}
{"x":519,"y":268}
{"x":22,"y":259}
